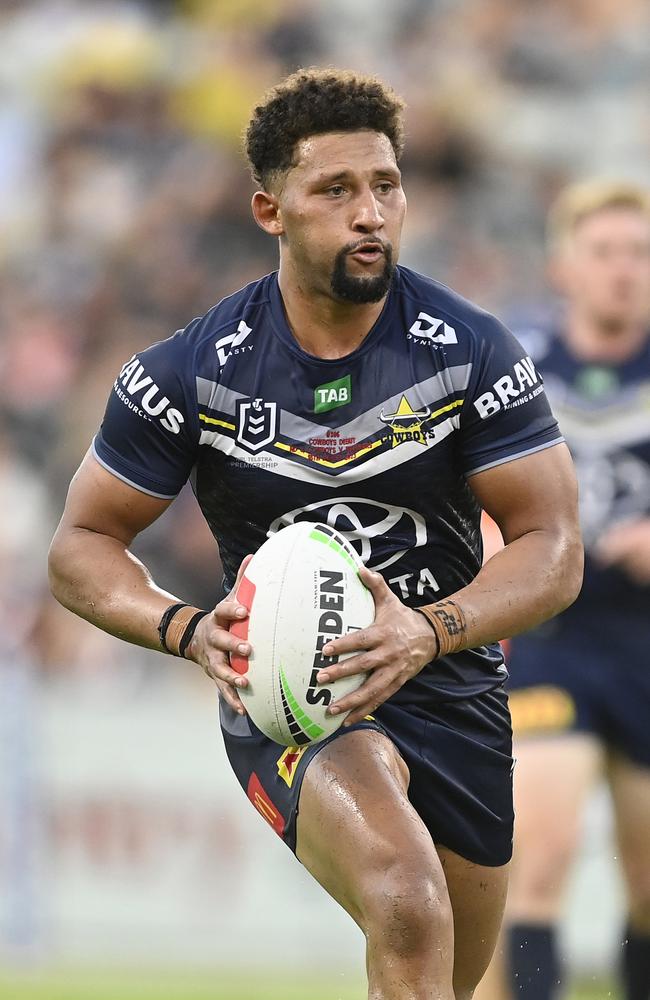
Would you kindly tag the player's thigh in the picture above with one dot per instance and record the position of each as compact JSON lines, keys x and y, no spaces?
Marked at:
{"x":553,"y":777}
{"x":357,"y":832}
{"x":478,"y":897}
{"x":630,"y":790}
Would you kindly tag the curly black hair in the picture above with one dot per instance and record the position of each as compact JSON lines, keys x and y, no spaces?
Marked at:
{"x":312,"y":102}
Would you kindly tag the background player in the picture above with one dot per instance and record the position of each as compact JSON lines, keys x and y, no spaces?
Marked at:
{"x":580,"y":686}
{"x":406,"y":820}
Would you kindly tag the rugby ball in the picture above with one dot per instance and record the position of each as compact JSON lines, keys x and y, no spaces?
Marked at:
{"x":302,"y":588}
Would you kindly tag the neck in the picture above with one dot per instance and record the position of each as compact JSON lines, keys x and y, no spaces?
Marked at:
{"x":323,"y":326}
{"x":593,"y":341}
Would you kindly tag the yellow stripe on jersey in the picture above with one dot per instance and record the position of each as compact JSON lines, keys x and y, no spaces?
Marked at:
{"x":329,"y":463}
{"x":445,"y":409}
{"x":213,"y":420}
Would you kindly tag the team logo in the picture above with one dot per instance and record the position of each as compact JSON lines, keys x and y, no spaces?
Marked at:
{"x":429,"y":330}
{"x":379,"y":532}
{"x":256,"y":423}
{"x":232,"y":343}
{"x":406,"y":423}
{"x":288,"y":763}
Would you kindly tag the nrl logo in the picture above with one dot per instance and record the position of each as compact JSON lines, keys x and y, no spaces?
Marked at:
{"x":256,"y":423}
{"x":406,"y":423}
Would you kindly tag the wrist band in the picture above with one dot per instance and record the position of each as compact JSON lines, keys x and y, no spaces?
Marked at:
{"x":447,"y":620}
{"x":164,"y":623}
{"x":177,"y":627}
{"x":190,"y":629}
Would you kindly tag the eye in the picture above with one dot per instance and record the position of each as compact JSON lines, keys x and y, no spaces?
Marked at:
{"x":336,"y":190}
{"x":385,"y":187}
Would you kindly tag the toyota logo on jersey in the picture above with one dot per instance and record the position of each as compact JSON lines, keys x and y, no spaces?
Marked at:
{"x":380,"y":532}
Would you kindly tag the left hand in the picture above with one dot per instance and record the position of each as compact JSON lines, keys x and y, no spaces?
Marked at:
{"x":395,"y":648}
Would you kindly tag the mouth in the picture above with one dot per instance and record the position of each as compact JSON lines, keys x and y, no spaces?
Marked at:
{"x":368,"y":253}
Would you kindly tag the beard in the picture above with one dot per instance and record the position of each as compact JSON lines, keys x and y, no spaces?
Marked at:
{"x":348,"y":288}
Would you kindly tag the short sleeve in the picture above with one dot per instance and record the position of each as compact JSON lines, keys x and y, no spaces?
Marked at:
{"x":149,"y":435}
{"x":506,"y":414}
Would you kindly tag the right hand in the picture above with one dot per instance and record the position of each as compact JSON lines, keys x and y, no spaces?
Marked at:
{"x":212,"y":642}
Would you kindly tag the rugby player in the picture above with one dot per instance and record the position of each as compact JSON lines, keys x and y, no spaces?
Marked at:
{"x":580,"y":685}
{"x":346,"y":389}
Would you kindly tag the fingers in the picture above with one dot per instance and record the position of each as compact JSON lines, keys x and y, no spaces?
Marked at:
{"x":240,"y":572}
{"x":376,"y":585}
{"x":366,"y":699}
{"x":363,"y":638}
{"x":216,"y":637}
{"x":218,"y":668}
{"x":231,"y":697}
{"x":346,"y":668}
{"x":229,"y":610}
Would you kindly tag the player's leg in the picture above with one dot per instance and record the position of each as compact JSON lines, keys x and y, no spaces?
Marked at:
{"x":494,"y":984}
{"x":478,"y":896}
{"x":360,"y":837}
{"x":630,"y":787}
{"x":553,"y":777}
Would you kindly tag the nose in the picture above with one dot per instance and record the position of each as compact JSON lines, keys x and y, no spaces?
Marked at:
{"x":367,"y":217}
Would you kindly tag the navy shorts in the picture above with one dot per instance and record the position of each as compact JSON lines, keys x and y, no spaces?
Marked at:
{"x":459,"y":754}
{"x":592,"y":679}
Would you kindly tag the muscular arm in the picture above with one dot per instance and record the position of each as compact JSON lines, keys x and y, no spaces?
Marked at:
{"x":538,"y":573}
{"x":533,"y":500}
{"x":93,"y":574}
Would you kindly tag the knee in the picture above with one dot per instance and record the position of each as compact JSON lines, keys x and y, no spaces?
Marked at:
{"x":408,"y":909}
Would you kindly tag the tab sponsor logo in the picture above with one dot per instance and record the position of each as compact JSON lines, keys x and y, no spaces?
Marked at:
{"x":510,"y":390}
{"x":141,"y":394}
{"x":332,"y":394}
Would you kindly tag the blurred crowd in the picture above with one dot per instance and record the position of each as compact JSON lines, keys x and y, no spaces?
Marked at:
{"x":124,"y":206}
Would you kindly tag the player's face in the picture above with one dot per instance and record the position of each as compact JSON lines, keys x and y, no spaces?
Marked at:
{"x":604,"y":269}
{"x":342,"y":208}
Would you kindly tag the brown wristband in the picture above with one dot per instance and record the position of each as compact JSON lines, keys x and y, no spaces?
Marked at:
{"x":178,"y":626}
{"x":448,"y":623}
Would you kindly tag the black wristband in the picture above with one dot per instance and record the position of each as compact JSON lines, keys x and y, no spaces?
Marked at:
{"x":165,"y":623}
{"x":188,"y":634}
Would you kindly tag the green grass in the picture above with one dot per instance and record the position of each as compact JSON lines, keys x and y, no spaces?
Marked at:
{"x":121,"y":985}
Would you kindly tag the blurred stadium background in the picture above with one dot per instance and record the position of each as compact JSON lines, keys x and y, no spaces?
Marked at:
{"x":125,"y":842}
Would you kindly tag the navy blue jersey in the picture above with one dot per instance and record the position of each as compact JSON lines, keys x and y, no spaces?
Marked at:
{"x":604,"y":412}
{"x":379,"y":444}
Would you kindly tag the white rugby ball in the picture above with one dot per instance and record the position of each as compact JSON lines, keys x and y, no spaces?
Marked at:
{"x":302,"y":589}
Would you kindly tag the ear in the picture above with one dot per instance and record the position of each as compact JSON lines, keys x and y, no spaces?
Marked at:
{"x":266,"y":212}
